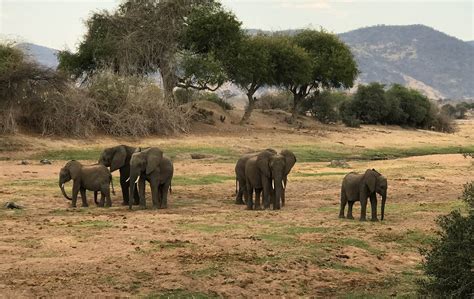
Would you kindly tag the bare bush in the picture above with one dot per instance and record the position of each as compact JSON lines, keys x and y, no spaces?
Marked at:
{"x":279,"y":100}
{"x":133,"y":106}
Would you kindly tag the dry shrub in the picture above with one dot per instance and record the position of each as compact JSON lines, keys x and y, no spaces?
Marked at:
{"x":275,"y":100}
{"x":133,"y":106}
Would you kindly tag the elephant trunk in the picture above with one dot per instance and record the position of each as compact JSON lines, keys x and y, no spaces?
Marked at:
{"x":134,"y":176}
{"x":278,"y":185}
{"x":61,"y":185}
{"x":384,"y":198}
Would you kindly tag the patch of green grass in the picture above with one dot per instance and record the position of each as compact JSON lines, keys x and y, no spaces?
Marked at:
{"x":170,"y":244}
{"x":69,"y":154}
{"x":346,"y":268}
{"x":411,"y":239}
{"x":359,"y":244}
{"x":207,"y":228}
{"x":209,"y":271}
{"x":99,"y":224}
{"x":311,"y":153}
{"x":181,"y":294}
{"x":295,"y":230}
{"x":320,"y":174}
{"x":222,"y":153}
{"x":35,"y":183}
{"x":200,"y":180}
{"x":278,"y":238}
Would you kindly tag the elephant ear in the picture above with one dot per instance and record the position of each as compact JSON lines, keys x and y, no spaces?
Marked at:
{"x":370,"y":179}
{"x":74,"y":169}
{"x":263,"y":163}
{"x":290,"y":160}
{"x":153,"y":159}
{"x":118,"y":160}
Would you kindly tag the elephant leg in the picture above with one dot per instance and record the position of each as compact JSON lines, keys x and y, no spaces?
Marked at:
{"x":283,"y":197}
{"x":136,"y":197}
{"x":258,"y":192}
{"x":164,"y":194}
{"x":75,"y":191}
{"x":241,"y":193}
{"x":84,"y":198}
{"x":249,"y":191}
{"x":349,"y":212}
{"x":154,"y":194}
{"x":363,"y":209}
{"x":373,"y":206}
{"x":102,"y":199}
{"x":141,"y":187}
{"x":343,"y":205}
{"x":267,"y":191}
{"x":125,"y":191}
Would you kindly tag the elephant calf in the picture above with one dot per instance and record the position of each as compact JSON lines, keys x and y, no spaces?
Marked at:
{"x":95,"y":178}
{"x":359,"y":187}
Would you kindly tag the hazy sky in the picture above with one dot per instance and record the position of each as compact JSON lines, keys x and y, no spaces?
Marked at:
{"x":60,"y":24}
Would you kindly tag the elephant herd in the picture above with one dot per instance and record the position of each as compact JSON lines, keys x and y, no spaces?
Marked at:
{"x":264,"y":174}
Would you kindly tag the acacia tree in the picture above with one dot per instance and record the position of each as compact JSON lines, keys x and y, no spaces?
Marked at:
{"x":251,"y":68}
{"x":332,"y":65}
{"x":141,"y":37}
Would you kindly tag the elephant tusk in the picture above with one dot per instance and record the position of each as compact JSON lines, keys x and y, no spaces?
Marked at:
{"x":273,"y":184}
{"x":137,"y":179}
{"x":284,"y":185}
{"x":127,"y":180}
{"x":62,"y":186}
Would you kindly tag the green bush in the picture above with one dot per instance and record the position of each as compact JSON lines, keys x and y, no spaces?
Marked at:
{"x":449,"y":263}
{"x":347,"y":115}
{"x":326,"y":106}
{"x":398,"y":106}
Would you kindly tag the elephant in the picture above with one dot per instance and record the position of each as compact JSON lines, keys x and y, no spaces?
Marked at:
{"x":118,"y":157}
{"x":95,"y":178}
{"x":240,"y":176}
{"x":150,"y":165}
{"x":268,"y":172}
{"x":359,"y":187}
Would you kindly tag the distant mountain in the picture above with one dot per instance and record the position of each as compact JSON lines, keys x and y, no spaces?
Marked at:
{"x":416,"y":56}
{"x":43,"y":55}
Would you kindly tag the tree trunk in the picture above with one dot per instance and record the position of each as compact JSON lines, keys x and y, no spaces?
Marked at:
{"x":294,"y":111}
{"x":249,"y":108}
{"x":169,"y":78}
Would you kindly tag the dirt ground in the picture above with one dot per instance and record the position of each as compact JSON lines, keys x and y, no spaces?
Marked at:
{"x":204,"y":245}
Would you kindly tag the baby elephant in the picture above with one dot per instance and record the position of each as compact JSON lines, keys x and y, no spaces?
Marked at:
{"x":359,"y":187}
{"x":95,"y":178}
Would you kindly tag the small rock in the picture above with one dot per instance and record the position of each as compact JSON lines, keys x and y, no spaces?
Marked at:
{"x":339,"y":164}
{"x":342,"y":256}
{"x":45,"y":162}
{"x":24,"y":162}
{"x":12,"y":205}
{"x":199,"y":156}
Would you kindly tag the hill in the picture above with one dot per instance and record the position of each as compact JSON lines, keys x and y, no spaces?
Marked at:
{"x":417,"y":56}
{"x":43,"y":55}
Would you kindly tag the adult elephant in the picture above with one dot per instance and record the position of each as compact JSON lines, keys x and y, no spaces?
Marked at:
{"x":268,"y":172}
{"x":150,"y":165}
{"x":359,"y":187}
{"x":118,"y":157}
{"x":240,"y":190}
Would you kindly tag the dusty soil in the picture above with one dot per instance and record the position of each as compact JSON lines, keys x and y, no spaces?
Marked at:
{"x":205,"y":245}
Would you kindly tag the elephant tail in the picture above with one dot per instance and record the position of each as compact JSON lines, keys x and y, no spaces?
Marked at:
{"x":112,"y":184}
{"x":236,"y":190}
{"x":171,"y":190}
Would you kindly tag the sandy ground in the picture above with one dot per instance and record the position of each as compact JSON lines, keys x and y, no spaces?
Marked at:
{"x":204,"y":245}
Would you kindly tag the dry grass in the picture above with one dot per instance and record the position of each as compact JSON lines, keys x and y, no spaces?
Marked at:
{"x":206,"y":246}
